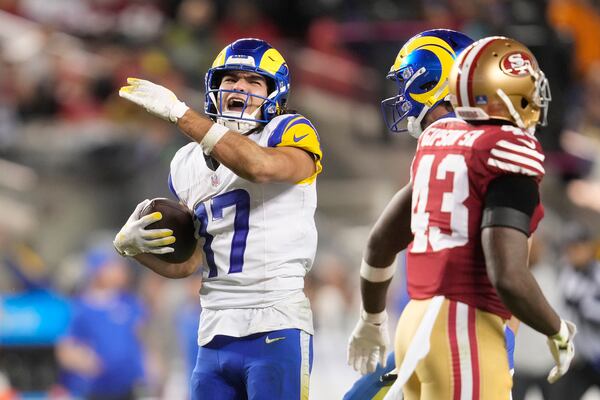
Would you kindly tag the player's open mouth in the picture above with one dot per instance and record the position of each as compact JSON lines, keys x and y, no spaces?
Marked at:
{"x":235,"y":104}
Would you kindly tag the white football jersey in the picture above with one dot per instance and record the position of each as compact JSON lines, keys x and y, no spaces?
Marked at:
{"x":258,"y":240}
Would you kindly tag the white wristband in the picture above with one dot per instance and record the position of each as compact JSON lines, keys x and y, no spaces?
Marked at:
{"x":214,"y":134}
{"x":376,"y":275}
{"x":373,"y":318}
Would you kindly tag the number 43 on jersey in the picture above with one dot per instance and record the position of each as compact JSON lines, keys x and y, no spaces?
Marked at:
{"x":450,"y":202}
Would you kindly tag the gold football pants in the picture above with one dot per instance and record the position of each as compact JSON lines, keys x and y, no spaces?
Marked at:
{"x":467,"y":359}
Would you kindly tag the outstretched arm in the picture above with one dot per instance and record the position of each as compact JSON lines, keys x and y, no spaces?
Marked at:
{"x":238,"y":153}
{"x":246,"y":158}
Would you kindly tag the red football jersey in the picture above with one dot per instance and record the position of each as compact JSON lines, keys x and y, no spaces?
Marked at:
{"x":453,"y":166}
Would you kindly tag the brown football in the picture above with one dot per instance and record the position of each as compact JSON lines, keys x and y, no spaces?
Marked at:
{"x":178,"y":218}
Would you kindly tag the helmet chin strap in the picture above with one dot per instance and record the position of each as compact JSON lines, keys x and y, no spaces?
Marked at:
{"x":414,"y":123}
{"x":511,"y":108}
{"x":236,"y":124}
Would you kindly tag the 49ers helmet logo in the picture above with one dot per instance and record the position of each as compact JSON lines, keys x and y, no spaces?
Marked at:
{"x":517,"y":63}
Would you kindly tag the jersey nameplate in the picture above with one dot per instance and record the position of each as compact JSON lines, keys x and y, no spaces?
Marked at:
{"x":437,"y":137}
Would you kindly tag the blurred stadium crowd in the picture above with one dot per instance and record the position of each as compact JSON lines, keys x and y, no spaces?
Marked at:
{"x":75,"y":159}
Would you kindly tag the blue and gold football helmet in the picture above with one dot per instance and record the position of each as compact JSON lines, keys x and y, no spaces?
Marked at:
{"x":421,"y":71}
{"x":252,"y":55}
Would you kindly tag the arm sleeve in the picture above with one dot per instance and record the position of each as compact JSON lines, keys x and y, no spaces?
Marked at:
{"x":509,"y":150}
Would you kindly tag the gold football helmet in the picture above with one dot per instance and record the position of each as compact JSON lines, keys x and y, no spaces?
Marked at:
{"x":499,"y":78}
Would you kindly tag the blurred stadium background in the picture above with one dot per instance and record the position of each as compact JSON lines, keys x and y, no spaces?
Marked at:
{"x":75,"y":159}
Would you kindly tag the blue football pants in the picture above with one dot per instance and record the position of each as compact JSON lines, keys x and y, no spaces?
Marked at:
{"x":266,"y":366}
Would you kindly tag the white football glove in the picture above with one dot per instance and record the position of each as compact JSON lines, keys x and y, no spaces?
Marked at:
{"x":134,"y":239}
{"x":369,"y":342}
{"x":156,"y":99}
{"x":562,"y":349}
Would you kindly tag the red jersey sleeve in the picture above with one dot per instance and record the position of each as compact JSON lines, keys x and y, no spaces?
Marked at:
{"x":509,"y":150}
{"x":506,"y":149}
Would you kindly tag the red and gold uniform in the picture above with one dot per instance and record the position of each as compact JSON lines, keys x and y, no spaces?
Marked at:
{"x":452,"y":168}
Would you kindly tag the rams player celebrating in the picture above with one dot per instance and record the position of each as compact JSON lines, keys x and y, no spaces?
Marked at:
{"x":249,"y":177}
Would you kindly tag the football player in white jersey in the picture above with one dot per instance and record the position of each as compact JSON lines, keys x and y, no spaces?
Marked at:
{"x":250,"y":178}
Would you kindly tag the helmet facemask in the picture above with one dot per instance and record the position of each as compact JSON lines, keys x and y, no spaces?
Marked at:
{"x":542,"y":96}
{"x":529,"y":112}
{"x":241,"y":121}
{"x":399,"y":112}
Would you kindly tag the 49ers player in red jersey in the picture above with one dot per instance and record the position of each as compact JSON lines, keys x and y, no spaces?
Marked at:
{"x":475,"y":201}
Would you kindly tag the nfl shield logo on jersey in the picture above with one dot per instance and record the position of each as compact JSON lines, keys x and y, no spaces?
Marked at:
{"x":214,"y":180}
